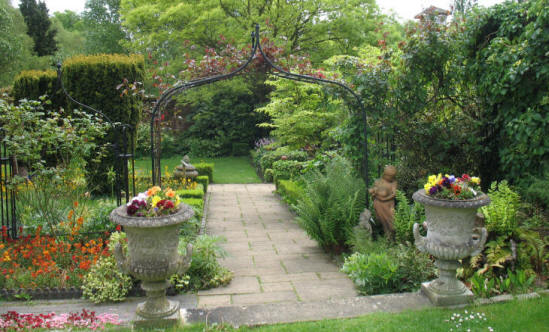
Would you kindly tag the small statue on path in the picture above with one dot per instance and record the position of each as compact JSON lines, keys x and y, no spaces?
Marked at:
{"x":383,"y":192}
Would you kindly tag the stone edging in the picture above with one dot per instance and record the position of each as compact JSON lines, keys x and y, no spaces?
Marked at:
{"x":511,"y":297}
{"x":202,"y":230}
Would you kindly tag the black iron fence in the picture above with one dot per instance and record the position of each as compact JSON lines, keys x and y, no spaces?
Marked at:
{"x":7,"y":191}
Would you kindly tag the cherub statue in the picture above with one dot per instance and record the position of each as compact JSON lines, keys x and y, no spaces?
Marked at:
{"x":383,"y":192}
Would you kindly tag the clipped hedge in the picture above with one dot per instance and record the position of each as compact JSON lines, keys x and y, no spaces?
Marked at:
{"x":204,"y":180}
{"x":198,"y":192}
{"x":287,"y":169}
{"x":92,"y":80}
{"x":270,"y":157}
{"x":31,"y":84}
{"x":290,"y":191}
{"x":206,"y":169}
{"x":197,"y":204}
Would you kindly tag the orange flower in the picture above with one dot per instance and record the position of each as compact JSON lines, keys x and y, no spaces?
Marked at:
{"x":71,"y":213}
{"x":75,"y":204}
{"x":170,"y":193}
{"x":80,"y":221}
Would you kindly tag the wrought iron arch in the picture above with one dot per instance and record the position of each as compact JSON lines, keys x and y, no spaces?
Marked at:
{"x":277,"y":71}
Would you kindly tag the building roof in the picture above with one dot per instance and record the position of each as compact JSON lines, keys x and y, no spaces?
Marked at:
{"x":432,"y":11}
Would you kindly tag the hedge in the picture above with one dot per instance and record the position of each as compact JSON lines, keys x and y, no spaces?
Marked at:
{"x":92,"y":80}
{"x":290,"y":191}
{"x":287,"y":169}
{"x":205,"y":169}
{"x":198,"y":192}
{"x":31,"y":84}
{"x":197,"y":204}
{"x":204,"y":180}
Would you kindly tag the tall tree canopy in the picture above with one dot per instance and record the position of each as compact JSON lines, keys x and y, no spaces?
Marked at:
{"x":38,"y":24}
{"x":103,"y":27}
{"x":322,"y":28}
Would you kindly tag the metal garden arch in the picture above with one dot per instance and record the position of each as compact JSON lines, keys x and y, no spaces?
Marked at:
{"x":277,"y":71}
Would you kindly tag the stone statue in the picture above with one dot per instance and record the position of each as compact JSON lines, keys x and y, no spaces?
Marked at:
{"x":383,"y":192}
{"x":185,"y":170}
{"x":364,"y":222}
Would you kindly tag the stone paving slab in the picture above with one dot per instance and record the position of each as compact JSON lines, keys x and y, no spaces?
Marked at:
{"x":268,"y":250}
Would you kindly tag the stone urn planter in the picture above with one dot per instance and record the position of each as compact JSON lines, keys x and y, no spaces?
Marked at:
{"x":152,"y":256}
{"x":451,"y":236}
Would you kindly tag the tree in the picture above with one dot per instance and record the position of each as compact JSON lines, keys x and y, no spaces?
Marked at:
{"x":102,"y":26}
{"x":322,"y":28}
{"x":15,"y":45}
{"x":38,"y":24}
{"x":70,"y":20}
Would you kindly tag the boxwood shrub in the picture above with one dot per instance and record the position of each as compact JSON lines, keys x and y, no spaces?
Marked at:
{"x":205,"y":169}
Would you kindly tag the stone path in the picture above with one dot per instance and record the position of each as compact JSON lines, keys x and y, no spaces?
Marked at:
{"x":272,"y":258}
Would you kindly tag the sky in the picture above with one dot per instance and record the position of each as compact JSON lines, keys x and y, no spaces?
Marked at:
{"x":404,"y":9}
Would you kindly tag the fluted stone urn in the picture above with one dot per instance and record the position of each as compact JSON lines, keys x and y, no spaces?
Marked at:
{"x":451,"y":236}
{"x":152,"y":256}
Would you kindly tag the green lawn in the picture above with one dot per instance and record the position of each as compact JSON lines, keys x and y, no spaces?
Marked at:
{"x":226,"y":169}
{"x":529,"y":315}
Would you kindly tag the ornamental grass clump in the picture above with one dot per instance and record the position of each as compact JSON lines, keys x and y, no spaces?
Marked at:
{"x":153,"y":203}
{"x":453,"y":188}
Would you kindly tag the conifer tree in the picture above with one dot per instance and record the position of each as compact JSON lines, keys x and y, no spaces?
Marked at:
{"x":38,"y":24}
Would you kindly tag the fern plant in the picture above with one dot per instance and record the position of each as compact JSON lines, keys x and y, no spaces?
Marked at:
{"x":405,"y":217}
{"x":501,"y":214}
{"x":331,"y":204}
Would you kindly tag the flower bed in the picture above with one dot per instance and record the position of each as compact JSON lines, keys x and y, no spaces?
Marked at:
{"x":42,"y":261}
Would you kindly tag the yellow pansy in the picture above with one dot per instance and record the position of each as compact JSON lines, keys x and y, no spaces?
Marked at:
{"x":177,"y":201}
{"x":427,"y":187}
{"x":432,"y":179}
{"x":155,"y":200}
{"x":475,"y":180}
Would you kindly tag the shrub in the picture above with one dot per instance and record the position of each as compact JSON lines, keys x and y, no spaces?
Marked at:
{"x":536,"y":191}
{"x":287,"y":169}
{"x":206,"y":169}
{"x":197,"y":192}
{"x":405,"y":217}
{"x":197,"y":204}
{"x":269,"y":157}
{"x":105,"y":282}
{"x":501,"y":214}
{"x":204,"y":180}
{"x":32,"y":84}
{"x":268,"y":175}
{"x":372,"y":273}
{"x":205,"y":271}
{"x":331,"y":204}
{"x":222,"y":118}
{"x":290,"y":191}
{"x":240,"y":149}
{"x":92,"y":80}
{"x":378,"y":269}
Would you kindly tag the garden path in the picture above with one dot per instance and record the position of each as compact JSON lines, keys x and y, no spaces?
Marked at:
{"x":272,"y":258}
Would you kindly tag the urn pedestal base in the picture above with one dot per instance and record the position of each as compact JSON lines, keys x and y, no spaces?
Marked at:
{"x":176,"y":319}
{"x":156,"y":305}
{"x":446,"y":300}
{"x":447,"y":290}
